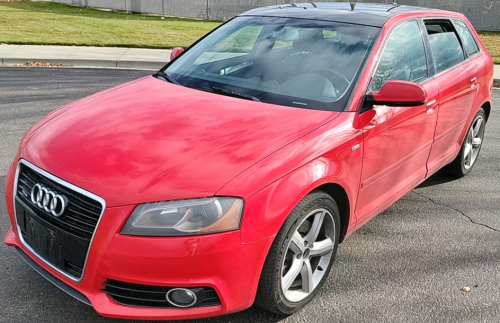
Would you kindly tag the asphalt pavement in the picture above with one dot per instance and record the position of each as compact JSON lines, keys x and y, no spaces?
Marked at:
{"x":409,"y":264}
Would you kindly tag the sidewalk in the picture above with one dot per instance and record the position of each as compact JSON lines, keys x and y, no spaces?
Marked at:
{"x":133,"y":58}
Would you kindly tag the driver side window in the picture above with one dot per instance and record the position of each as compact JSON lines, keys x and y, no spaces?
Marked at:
{"x":403,"y":57}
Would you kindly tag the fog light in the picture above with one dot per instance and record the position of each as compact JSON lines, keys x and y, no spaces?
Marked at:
{"x":181,"y":297}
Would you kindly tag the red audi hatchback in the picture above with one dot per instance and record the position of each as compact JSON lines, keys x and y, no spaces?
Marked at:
{"x":230,"y":176}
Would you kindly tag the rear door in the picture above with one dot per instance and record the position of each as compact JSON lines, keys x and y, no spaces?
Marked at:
{"x":457,"y":79}
{"x":398,"y":140}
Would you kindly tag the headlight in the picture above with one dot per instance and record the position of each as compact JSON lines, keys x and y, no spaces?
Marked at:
{"x":185,"y":217}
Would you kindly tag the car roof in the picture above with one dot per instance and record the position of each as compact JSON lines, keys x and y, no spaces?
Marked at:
{"x":371,"y":14}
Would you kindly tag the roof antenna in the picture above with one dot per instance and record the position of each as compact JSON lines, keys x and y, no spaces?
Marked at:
{"x":314,"y":4}
{"x":353,"y":5}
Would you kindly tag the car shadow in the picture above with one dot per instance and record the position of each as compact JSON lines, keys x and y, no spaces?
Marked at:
{"x":437,"y":179}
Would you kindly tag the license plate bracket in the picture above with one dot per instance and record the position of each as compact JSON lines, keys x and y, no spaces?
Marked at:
{"x":44,"y":241}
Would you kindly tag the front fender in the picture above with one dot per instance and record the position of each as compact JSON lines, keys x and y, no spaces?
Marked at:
{"x":339,"y":147}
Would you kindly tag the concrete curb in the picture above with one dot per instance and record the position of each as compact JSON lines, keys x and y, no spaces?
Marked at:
{"x":144,"y":65}
{"x":104,"y":57}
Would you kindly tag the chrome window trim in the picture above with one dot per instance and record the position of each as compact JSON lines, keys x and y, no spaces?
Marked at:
{"x":70,"y":186}
{"x":452,"y":67}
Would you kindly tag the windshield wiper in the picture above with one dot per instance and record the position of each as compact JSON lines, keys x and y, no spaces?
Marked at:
{"x":234,"y":94}
{"x":165,"y":76}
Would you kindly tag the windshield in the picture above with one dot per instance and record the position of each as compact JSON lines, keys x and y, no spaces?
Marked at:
{"x":292,"y":62}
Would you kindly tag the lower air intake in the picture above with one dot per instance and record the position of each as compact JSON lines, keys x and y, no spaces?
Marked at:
{"x":155,"y":296}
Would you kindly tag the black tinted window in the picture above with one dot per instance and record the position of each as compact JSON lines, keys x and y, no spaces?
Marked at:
{"x":469,"y":41}
{"x":445,"y":44}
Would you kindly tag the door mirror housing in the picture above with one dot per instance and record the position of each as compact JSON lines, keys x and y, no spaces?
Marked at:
{"x":176,"y":52}
{"x":397,"y":93}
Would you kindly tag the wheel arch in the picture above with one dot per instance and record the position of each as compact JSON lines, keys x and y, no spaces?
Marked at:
{"x":339,"y":195}
{"x":487,"y":109}
{"x":278,"y":200}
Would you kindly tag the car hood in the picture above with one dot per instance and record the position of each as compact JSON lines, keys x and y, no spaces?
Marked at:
{"x":150,"y":140}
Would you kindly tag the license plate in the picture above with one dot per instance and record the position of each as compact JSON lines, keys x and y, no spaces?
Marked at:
{"x":47,"y":243}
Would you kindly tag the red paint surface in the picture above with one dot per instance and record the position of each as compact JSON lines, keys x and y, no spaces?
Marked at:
{"x":400,"y":92}
{"x":155,"y":141}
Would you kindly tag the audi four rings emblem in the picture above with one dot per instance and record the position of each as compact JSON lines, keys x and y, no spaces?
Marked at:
{"x":49,"y":201}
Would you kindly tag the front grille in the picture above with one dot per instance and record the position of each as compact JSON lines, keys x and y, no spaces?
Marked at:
{"x":153,"y":296}
{"x":81,"y":215}
{"x":72,"y":269}
{"x":61,"y":241}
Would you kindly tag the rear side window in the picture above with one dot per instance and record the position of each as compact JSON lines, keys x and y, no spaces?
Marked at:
{"x":403,"y":57}
{"x":445,"y":44}
{"x":467,"y":38}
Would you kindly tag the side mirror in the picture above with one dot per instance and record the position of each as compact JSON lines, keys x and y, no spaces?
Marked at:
{"x":176,"y":52}
{"x":400,"y":94}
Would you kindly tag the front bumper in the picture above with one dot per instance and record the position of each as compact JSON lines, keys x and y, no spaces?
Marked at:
{"x":219,"y":261}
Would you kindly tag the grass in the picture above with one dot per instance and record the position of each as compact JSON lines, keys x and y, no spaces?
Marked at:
{"x":48,"y":23}
{"x":492,"y":42}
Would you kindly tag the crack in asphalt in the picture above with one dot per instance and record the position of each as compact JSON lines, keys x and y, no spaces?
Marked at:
{"x":457,"y":210}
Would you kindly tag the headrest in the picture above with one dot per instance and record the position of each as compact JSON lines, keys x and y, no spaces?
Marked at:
{"x":285,"y":34}
{"x":308,"y":39}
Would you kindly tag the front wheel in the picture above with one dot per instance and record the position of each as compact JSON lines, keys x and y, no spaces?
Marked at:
{"x":471,"y":147}
{"x":301,"y":256}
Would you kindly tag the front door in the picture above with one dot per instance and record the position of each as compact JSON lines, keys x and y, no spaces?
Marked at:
{"x":398,"y":140}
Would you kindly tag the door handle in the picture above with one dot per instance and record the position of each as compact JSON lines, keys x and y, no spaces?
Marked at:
{"x":430,"y":107}
{"x":473,"y":82}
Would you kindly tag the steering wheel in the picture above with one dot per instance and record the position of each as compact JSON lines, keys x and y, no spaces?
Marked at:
{"x":339,"y":80}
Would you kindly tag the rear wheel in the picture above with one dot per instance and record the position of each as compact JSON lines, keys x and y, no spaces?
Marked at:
{"x":301,"y":256}
{"x":471,"y":147}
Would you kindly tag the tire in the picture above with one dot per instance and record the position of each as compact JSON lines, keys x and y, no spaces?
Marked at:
{"x":470,"y":149}
{"x":294,"y":269}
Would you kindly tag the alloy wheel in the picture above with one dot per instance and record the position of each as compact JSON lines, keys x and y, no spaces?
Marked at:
{"x":473,"y":142}
{"x":308,"y":255}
